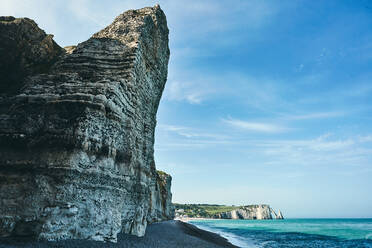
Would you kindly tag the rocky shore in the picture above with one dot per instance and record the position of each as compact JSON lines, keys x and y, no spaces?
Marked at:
{"x":158,"y":235}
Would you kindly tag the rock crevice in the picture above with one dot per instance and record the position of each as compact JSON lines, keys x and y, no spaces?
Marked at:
{"x":77,"y":136}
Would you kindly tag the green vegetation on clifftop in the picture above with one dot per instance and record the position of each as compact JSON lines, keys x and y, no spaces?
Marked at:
{"x":202,"y":210}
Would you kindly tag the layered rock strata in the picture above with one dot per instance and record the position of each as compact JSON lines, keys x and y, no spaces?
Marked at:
{"x":250,"y":212}
{"x":161,"y":199}
{"x":77,"y":130}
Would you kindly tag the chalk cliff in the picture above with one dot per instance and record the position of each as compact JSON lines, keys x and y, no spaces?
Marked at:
{"x":250,"y":212}
{"x":77,"y":129}
{"x":279,"y":216}
{"x":161,"y":199}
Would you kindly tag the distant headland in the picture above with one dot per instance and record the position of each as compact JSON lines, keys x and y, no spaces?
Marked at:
{"x":212,"y":211}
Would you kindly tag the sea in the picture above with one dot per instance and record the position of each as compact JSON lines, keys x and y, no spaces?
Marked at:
{"x":352,"y":233}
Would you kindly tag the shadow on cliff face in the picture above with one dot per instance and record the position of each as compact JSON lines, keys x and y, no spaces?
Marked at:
{"x":25,"y":50}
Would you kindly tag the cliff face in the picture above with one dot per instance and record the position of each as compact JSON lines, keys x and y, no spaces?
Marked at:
{"x":251,"y":212}
{"x":77,"y":130}
{"x":161,"y":199}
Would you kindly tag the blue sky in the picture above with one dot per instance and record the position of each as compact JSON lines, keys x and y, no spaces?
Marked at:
{"x":266,"y":101}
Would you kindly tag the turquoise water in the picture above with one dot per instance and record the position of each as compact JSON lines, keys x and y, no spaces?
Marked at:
{"x":293,"y":232}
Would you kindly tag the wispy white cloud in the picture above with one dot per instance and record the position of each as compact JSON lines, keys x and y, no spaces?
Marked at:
{"x":365,"y":139}
{"x":256,"y":126}
{"x":328,"y":149}
{"x":88,"y":12}
{"x":196,"y":87}
{"x":192,"y":145}
{"x":325,"y":150}
{"x":171,"y":128}
{"x":206,"y":17}
{"x":316,"y":115}
{"x":360,"y":89}
{"x":322,"y":143}
{"x":185,"y":91}
{"x":189,"y":132}
{"x":192,"y":87}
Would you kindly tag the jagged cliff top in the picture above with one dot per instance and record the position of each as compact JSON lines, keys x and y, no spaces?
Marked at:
{"x":125,"y":26}
{"x":26,"y":50}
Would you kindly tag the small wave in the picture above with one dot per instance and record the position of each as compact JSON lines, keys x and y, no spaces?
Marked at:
{"x":232,"y":238}
{"x":369,"y":236}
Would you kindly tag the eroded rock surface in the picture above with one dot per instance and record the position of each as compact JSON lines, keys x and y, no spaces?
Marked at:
{"x":161,"y":198}
{"x":77,"y":133}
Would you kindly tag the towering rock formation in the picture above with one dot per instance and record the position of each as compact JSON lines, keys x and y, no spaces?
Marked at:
{"x":279,"y":216}
{"x":77,"y":129}
{"x":250,"y":212}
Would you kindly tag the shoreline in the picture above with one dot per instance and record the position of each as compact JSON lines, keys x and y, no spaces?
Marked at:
{"x":172,"y":233}
{"x":207,"y":235}
{"x":187,"y":219}
{"x":232,"y":238}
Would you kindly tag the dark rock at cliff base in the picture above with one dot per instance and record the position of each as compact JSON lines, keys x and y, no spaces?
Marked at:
{"x":77,"y":130}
